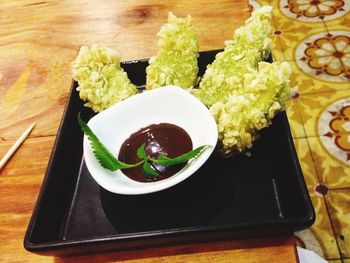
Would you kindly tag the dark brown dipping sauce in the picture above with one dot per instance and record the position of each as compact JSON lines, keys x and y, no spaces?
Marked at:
{"x":163,"y":138}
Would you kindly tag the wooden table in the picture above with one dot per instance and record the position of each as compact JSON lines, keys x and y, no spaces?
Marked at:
{"x":38,"y":40}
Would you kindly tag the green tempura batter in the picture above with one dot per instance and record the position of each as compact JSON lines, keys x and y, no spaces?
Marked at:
{"x":102,"y":82}
{"x":176,"y":61}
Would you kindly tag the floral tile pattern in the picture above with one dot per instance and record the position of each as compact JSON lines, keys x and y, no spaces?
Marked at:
{"x":314,"y":11}
{"x":309,"y":82}
{"x":314,"y":37}
{"x":277,"y":47}
{"x":342,"y":20}
{"x":292,"y":31}
{"x":339,"y":207}
{"x":325,"y":56}
{"x":295,"y":121}
{"x":329,"y":165}
{"x":320,"y":237}
{"x":306,"y":163}
{"x":325,"y":113}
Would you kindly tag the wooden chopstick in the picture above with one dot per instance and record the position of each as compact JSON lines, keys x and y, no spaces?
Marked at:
{"x":16,"y":145}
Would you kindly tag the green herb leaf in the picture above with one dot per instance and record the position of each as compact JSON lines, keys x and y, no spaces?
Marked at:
{"x":102,"y":154}
{"x":166,"y":161}
{"x":149,"y":169}
{"x":108,"y":161}
{"x":141,"y":153}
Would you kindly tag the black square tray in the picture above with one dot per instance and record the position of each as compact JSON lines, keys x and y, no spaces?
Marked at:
{"x":227,"y":198}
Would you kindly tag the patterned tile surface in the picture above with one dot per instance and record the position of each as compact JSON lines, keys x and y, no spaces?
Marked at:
{"x":306,"y":163}
{"x":314,"y":37}
{"x":339,"y":206}
{"x":309,"y":82}
{"x":295,"y":121}
{"x":277,"y":47}
{"x":293,"y":33}
{"x":325,"y":55}
{"x":325,"y":113}
{"x":320,"y":237}
{"x":328,"y":161}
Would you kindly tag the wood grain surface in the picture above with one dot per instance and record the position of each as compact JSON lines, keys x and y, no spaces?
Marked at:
{"x":38,"y":40}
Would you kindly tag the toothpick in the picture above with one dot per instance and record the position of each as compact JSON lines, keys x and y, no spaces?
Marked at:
{"x":16,"y":145}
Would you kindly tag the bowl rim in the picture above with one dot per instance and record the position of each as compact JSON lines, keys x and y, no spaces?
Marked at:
{"x":129,"y":186}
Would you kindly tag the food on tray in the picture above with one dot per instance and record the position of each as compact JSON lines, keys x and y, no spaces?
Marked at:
{"x":102,"y":82}
{"x":176,"y":61}
{"x":164,"y":138}
{"x":242,"y":92}
{"x":252,"y":108}
{"x":250,"y":45}
{"x":153,"y":153}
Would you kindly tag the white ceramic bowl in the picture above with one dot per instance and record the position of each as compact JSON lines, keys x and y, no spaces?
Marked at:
{"x":168,"y":104}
